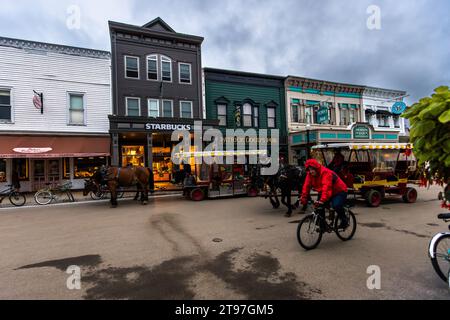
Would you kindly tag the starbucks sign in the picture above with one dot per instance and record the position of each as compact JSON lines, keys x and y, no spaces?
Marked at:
{"x":361,"y":132}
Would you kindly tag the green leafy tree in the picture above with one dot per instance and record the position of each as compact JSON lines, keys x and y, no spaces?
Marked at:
{"x":430,"y":134}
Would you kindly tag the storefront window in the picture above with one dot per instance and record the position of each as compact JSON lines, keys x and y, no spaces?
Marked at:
{"x":86,"y":167}
{"x":66,"y":168}
{"x":2,"y":170}
{"x":22,"y":168}
{"x":133,"y":156}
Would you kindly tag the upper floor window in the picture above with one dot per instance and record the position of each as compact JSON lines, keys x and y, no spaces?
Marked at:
{"x":133,"y":107}
{"x":185,"y":73}
{"x":167,"y":108}
{"x":383,"y":120}
{"x":166,"y":69}
{"x":131,"y":67}
{"x":256,"y":117}
{"x":295,"y":114}
{"x":186,"y":109}
{"x":222,"y":114}
{"x":345,"y":115}
{"x":152,"y":67}
{"x":153,"y":108}
{"x":247,"y":110}
{"x":309,"y":114}
{"x":271,"y":118}
{"x":5,"y":105}
{"x":76,"y":109}
{"x":396,"y":121}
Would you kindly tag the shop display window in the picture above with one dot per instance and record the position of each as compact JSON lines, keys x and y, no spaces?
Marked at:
{"x":133,"y":156}
{"x":66,"y":168}
{"x":22,"y":166}
{"x":3,"y":170}
{"x":86,"y":167}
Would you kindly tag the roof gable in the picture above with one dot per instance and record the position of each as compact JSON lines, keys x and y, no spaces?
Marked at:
{"x":158,"y":24}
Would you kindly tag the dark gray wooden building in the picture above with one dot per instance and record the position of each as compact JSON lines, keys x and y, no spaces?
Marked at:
{"x":156,"y":86}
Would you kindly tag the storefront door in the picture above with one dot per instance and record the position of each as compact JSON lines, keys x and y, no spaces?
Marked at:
{"x":44,"y":172}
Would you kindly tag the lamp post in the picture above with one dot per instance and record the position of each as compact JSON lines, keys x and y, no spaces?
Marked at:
{"x":308,"y":129}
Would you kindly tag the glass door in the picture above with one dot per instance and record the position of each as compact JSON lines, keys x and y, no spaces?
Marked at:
{"x":53,"y":172}
{"x":38,"y":174}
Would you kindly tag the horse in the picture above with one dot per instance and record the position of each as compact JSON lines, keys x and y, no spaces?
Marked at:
{"x":115,"y":177}
{"x":288,"y":179}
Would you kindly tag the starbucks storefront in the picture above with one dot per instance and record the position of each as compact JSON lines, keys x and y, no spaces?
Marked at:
{"x":147,"y":143}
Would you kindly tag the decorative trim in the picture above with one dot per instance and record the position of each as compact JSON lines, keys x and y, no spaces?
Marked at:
{"x":56,"y":48}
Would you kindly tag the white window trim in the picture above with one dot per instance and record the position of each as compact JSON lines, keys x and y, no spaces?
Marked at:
{"x":75,"y":93}
{"x":138,"y":65}
{"x":171,"y":69}
{"x":192,"y":109}
{"x":157,"y":67}
{"x":148,"y":107}
{"x":162,"y":107}
{"x":126,"y":105}
{"x":274,"y":118}
{"x":11,"y":101}
{"x":190,"y":73}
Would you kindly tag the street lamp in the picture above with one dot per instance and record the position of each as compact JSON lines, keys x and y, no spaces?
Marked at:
{"x":308,"y":129}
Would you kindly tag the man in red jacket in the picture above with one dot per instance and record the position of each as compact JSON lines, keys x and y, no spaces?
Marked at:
{"x":329,"y":186}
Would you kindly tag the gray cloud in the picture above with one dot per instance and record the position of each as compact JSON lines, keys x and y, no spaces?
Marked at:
{"x":325,"y":39}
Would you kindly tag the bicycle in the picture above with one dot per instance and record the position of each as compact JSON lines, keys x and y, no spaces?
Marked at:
{"x":103,"y":193}
{"x":48,"y":195}
{"x":439,"y":251}
{"x":15,"y":197}
{"x":311,"y":229}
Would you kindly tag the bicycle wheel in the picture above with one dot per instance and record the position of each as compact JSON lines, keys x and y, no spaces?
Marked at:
{"x":17,"y":199}
{"x":347,"y":233}
{"x":309,"y":233}
{"x":43,"y":197}
{"x":441,"y":262}
{"x":98,"y":195}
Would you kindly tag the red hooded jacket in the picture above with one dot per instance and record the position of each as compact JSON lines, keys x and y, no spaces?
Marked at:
{"x":326,"y":182}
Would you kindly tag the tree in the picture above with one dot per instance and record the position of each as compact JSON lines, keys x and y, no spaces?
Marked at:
{"x":430,"y":134}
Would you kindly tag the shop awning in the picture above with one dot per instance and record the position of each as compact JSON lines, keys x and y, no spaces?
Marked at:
{"x":53,"y":146}
{"x":384,"y":113}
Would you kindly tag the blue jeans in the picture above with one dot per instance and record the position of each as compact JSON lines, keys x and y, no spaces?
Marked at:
{"x":338,"y":202}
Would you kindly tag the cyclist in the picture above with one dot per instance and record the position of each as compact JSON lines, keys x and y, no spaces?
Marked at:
{"x":329,"y":186}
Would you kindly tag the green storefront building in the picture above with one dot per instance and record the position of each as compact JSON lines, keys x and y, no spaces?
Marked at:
{"x":242,"y":100}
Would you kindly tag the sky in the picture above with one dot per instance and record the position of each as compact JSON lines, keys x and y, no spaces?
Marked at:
{"x":409,"y":48}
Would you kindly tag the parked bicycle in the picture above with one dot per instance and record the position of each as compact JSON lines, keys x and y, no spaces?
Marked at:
{"x":439,"y":251}
{"x":324,"y":220}
{"x":15,"y":197}
{"x":48,"y":195}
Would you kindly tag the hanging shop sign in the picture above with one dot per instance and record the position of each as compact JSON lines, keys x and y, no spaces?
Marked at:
{"x":322,"y":114}
{"x":38,"y":101}
{"x":398,"y":108}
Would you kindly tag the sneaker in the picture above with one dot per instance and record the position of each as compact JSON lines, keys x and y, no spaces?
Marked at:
{"x":344,"y":224}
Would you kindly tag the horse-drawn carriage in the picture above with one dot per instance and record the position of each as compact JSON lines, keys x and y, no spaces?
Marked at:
{"x":373,"y":170}
{"x":220,"y":180}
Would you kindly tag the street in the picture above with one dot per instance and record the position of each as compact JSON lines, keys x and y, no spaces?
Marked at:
{"x":237,"y":248}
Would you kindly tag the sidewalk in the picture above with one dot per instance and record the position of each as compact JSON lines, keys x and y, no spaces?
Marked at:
{"x":79,"y":198}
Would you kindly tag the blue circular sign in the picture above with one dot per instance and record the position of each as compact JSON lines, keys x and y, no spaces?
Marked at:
{"x":399,"y":108}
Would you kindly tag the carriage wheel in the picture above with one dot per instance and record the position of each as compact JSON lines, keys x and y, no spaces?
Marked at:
{"x":197,"y":195}
{"x":374,"y":198}
{"x":410,"y":196}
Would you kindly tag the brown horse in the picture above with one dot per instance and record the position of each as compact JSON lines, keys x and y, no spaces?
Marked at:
{"x":115,"y":177}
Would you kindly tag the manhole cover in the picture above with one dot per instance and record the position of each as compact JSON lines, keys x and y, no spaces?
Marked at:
{"x":217,"y":240}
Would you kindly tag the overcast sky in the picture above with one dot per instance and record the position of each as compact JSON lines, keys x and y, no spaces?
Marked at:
{"x":322,"y":39}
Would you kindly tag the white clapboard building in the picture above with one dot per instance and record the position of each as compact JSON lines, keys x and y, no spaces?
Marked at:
{"x":54,"y":102}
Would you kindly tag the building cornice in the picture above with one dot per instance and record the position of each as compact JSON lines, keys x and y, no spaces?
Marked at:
{"x":323,"y":86}
{"x":55,"y":48}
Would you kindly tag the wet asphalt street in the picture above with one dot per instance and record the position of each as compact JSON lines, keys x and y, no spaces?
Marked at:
{"x":218,"y":249}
